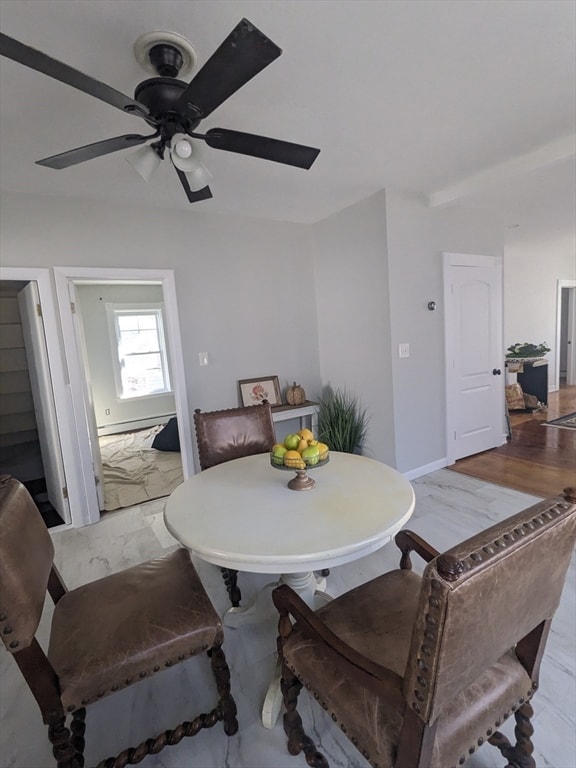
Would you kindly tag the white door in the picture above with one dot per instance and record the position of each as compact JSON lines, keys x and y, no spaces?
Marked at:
{"x":87,"y":396}
{"x":474,"y":354}
{"x":43,"y":396}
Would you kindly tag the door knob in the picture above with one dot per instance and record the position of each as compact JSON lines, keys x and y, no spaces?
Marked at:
{"x":496,"y":372}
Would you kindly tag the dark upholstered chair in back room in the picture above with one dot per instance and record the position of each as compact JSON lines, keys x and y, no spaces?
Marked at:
{"x":232,"y":434}
{"x":104,"y":635}
{"x":419,"y":672}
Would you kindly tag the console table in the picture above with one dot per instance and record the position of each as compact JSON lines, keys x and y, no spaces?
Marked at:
{"x":308,"y":410}
{"x":532,"y":375}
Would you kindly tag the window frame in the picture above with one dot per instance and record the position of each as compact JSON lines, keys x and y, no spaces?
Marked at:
{"x":113,"y":311}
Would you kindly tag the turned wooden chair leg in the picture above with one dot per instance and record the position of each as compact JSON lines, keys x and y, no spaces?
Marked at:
{"x":63,"y":749}
{"x":230,"y":577}
{"x":78,"y":728}
{"x":520,"y":755}
{"x":298,"y":741}
{"x":227,"y":704}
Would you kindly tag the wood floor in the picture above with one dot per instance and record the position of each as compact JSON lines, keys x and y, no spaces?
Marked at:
{"x":537,"y":459}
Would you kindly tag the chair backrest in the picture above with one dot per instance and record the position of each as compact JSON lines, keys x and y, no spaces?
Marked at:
{"x":233,"y":433}
{"x":26,"y":556}
{"x":484,"y":596}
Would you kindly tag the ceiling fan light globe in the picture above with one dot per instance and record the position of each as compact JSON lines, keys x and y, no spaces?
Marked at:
{"x":199,"y":178}
{"x":183,"y":149}
{"x":145,"y":161}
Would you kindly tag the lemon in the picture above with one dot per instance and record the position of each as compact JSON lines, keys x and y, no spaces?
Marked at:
{"x":323,"y":448}
{"x":305,"y":434}
{"x":293,"y":460}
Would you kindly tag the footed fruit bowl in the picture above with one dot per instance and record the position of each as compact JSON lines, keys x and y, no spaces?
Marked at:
{"x":302,"y":481}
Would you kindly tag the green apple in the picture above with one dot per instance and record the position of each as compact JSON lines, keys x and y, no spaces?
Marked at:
{"x":291,"y":442}
{"x":311,"y":455}
{"x":278,"y":451}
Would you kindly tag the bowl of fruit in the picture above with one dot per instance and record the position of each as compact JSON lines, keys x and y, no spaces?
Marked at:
{"x":298,"y":453}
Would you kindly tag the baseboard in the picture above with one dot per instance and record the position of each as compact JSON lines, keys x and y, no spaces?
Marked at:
{"x":412,"y":474}
{"x":133,"y":426}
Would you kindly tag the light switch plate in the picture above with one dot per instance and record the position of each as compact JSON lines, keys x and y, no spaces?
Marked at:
{"x":404,"y":350}
{"x":203,"y":358}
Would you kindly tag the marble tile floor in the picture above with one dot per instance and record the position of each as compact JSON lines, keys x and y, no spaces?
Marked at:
{"x":449,"y":508}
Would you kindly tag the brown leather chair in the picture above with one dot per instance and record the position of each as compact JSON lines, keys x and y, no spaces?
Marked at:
{"x":421,"y":671}
{"x":104,"y":635}
{"x":232,"y":434}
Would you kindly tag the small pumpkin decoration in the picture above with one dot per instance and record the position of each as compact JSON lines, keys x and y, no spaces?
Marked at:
{"x":295,"y":395}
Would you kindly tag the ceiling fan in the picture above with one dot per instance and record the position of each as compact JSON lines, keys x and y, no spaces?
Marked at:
{"x":174,"y":108}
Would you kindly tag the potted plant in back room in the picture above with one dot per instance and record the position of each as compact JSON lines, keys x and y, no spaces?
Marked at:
{"x":342,"y":422}
{"x":526,"y":350}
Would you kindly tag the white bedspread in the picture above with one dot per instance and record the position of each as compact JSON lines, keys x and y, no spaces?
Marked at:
{"x":134,"y":472}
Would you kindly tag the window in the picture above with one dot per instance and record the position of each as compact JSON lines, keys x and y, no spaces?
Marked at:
{"x":140,"y":362}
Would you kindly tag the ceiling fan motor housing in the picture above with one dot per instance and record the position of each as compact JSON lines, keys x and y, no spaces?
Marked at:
{"x":166,"y":59}
{"x":161,"y":95}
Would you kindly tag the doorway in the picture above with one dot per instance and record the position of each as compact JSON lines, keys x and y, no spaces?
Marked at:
{"x":73,"y":287}
{"x":29,"y":448}
{"x":67,"y":375}
{"x":565,"y":369}
{"x":36,"y":436}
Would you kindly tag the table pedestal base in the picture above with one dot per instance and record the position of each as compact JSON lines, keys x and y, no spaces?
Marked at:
{"x":311,"y":589}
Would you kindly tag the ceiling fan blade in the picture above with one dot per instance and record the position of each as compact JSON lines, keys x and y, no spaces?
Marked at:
{"x":193,"y":197}
{"x":90,"y":151}
{"x":41,"y":62}
{"x":261,"y":146}
{"x":244,"y":53}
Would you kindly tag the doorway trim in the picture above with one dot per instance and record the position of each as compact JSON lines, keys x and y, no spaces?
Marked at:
{"x":60,"y":385}
{"x":571,"y":362}
{"x":64,"y":276}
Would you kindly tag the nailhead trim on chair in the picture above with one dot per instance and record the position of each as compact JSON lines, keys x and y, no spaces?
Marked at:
{"x":497,"y":724}
{"x":468,"y":562}
{"x":129,"y":680}
{"x":343,"y":726}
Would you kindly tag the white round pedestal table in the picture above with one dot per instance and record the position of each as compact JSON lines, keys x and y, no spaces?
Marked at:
{"x":242,"y":515}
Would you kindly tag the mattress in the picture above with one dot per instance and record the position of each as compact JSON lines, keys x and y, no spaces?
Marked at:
{"x":133,"y":472}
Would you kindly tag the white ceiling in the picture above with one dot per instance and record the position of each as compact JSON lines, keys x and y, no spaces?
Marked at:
{"x":417,"y":94}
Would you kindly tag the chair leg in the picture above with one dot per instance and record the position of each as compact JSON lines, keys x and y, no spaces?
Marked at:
{"x":520,"y":755}
{"x":298,"y":741}
{"x":225,"y":710}
{"x":230,"y":577}
{"x":78,"y":728}
{"x":63,"y":747}
{"x":227,"y":704}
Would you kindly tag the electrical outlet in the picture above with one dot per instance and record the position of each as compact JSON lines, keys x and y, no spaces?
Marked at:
{"x":203,"y":358}
{"x":404,"y":350}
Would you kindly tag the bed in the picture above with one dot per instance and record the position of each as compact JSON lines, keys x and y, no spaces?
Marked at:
{"x":133,"y":472}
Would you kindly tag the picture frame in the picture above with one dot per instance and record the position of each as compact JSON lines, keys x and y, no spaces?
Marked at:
{"x":256,"y":391}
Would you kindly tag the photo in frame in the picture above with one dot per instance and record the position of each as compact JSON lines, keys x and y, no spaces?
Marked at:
{"x":256,"y":391}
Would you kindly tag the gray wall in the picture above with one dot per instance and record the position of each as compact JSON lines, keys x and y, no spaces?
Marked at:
{"x":245,"y":288}
{"x":92,"y":301}
{"x":320,"y":304}
{"x":537,"y":255}
{"x":354,"y":314}
{"x":417,"y":237}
